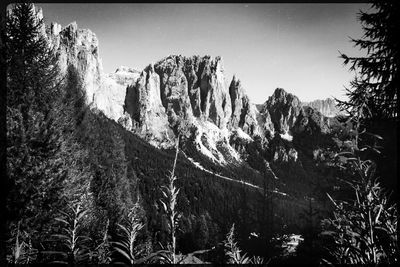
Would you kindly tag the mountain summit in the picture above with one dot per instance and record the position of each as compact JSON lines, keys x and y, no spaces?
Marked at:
{"x":191,"y":92}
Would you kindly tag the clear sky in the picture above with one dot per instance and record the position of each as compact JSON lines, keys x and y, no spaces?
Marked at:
{"x":292,"y":46}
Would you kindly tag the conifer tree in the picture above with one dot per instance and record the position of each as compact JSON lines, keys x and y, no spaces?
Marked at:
{"x":373,"y":92}
{"x":32,"y":72}
{"x":364,"y":229}
{"x":32,"y":138}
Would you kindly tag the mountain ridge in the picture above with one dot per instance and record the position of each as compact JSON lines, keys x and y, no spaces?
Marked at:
{"x":232,"y":155}
{"x":191,"y":93}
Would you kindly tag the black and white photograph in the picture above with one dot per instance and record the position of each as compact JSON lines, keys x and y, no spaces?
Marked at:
{"x":200,"y":133}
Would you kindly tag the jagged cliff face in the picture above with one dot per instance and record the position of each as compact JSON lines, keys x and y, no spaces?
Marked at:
{"x":192,"y":91}
{"x":326,"y":107}
{"x":194,"y":87}
{"x":144,"y":110}
{"x":78,"y":47}
{"x":244,"y":113}
{"x":284,"y":109}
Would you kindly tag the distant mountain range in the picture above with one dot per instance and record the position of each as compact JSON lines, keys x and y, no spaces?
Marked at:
{"x":148,"y":102}
{"x":326,"y":107}
{"x":283,"y":141}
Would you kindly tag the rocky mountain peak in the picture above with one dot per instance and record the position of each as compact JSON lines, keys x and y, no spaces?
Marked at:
{"x":55,"y":28}
{"x":282,"y":97}
{"x":121,"y":69}
{"x":194,"y":86}
{"x":243,"y":112}
{"x":177,"y":88}
{"x":79,"y":48}
{"x":326,"y":107}
{"x":284,"y":109}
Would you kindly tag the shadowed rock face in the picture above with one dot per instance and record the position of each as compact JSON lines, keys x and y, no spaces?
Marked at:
{"x":78,"y":47}
{"x":265,"y":124}
{"x":174,"y":87}
{"x":195,"y":86}
{"x":284,"y":108}
{"x":243,"y":112}
{"x":143,"y":104}
{"x":142,"y":99}
{"x":192,"y":90}
{"x":311,"y":121}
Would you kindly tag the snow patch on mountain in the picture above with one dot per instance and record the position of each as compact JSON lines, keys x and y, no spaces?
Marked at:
{"x":243,"y":135}
{"x":286,"y":136}
{"x":124,"y":75}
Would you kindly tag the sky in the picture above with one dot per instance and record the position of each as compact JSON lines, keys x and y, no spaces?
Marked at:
{"x":291,"y":46}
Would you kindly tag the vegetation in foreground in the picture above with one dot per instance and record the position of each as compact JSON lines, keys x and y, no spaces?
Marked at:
{"x":60,"y":207}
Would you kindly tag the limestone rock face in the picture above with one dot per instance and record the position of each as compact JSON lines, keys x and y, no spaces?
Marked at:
{"x":174,"y":87}
{"x":214,"y":96}
{"x":192,"y":90}
{"x":110,"y":95}
{"x":124,"y":75}
{"x":192,"y":73}
{"x":265,"y":124}
{"x":195,"y":87}
{"x":285,"y":155}
{"x":243,"y":112}
{"x":282,"y":151}
{"x":284,"y":108}
{"x":326,"y":107}
{"x":143,"y":104}
{"x":78,"y":47}
{"x":312,"y":122}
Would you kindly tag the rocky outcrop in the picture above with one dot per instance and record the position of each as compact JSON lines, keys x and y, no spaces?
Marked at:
{"x":78,"y":47}
{"x":195,"y":86}
{"x":312,"y":122}
{"x":191,"y":90}
{"x":124,"y":75}
{"x":284,"y":108}
{"x":265,"y":124}
{"x":110,"y":95}
{"x":326,"y":107}
{"x":243,"y":112}
{"x":214,"y":96}
{"x":143,"y":105}
{"x":174,"y":87}
{"x":281,"y":154}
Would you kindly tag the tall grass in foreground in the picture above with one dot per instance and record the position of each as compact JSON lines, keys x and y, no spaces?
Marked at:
{"x":74,"y":243}
{"x":126,"y":245}
{"x":232,"y":251}
{"x":22,"y":251}
{"x":365,"y":230}
{"x":103,"y":250}
{"x":170,"y":193}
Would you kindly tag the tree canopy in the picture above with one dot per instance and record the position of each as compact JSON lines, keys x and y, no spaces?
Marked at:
{"x":373,"y":92}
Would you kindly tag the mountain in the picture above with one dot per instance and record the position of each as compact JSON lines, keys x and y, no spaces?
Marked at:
{"x":190,"y":97}
{"x":192,"y":90}
{"x":233,"y":153}
{"x":116,"y":156}
{"x":326,"y":107}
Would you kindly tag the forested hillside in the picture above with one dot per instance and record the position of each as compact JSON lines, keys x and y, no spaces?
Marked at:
{"x":224,"y":182}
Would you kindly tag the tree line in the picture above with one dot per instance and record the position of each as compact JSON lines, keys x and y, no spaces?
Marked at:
{"x":61,"y":208}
